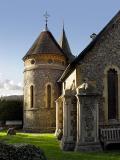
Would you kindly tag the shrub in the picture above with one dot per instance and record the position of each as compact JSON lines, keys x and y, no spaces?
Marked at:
{"x":21,"y":152}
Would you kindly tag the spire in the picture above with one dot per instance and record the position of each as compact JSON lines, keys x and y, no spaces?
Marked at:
{"x":46,"y":15}
{"x":44,"y":44}
{"x":65,"y":45}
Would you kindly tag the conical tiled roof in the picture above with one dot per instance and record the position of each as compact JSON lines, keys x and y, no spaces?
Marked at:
{"x":45,"y":43}
{"x":65,"y":46}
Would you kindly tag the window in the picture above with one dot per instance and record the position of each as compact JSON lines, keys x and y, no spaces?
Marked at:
{"x":63,"y":63}
{"x":112,"y":80}
{"x":50,"y":61}
{"x":49,"y":96}
{"x":31,"y":96}
{"x":32,"y":61}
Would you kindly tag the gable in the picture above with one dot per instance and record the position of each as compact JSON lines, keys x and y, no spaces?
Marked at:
{"x":110,"y":30}
{"x":103,"y":56}
{"x":107,"y":47}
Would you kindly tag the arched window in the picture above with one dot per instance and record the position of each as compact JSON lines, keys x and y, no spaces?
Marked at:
{"x":49,"y":96}
{"x":112,"y":80}
{"x":31,"y":96}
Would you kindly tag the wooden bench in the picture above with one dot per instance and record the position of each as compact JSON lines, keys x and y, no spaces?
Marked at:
{"x":109,"y":136}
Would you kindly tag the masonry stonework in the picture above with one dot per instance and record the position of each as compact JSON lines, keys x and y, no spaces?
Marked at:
{"x":98,"y":66}
{"x":104,"y":54}
{"x":41,"y":118}
{"x":44,"y":63}
{"x":82,"y":115}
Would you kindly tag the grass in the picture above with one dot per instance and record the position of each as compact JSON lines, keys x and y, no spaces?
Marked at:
{"x":50,"y":145}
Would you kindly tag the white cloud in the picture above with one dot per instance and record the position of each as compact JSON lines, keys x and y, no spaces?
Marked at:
{"x":0,"y":75}
{"x":10,"y":85}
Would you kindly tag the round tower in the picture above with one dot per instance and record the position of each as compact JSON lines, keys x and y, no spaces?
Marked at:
{"x":44,"y":63}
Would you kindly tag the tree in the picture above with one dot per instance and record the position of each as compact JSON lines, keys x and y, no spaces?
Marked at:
{"x":11,"y":110}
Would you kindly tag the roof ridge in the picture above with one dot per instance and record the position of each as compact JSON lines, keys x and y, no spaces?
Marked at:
{"x":88,"y":47}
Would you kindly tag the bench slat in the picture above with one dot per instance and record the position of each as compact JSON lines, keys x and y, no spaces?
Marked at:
{"x":110,"y":134}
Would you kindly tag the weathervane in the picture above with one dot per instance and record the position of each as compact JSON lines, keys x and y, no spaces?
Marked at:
{"x":46,"y":15}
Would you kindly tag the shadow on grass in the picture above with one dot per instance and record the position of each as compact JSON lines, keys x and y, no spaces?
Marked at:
{"x":50,"y":145}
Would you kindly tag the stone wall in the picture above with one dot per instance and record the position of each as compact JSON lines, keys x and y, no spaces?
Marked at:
{"x":70,"y":82}
{"x":87,"y":119}
{"x":104,"y":55}
{"x":69,"y":121}
{"x":40,"y":117}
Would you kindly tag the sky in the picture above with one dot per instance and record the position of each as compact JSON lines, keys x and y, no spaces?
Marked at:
{"x":21,"y":21}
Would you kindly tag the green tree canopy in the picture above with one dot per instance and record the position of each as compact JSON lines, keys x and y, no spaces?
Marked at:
{"x":11,"y":110}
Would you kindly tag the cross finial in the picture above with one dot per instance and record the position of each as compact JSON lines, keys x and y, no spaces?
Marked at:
{"x":46,"y":15}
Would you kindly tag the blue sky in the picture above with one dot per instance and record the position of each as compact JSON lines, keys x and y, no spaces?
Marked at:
{"x":21,"y":21}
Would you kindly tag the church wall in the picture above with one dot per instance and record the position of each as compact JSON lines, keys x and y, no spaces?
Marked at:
{"x":70,"y":82}
{"x":44,"y":58}
{"x":39,"y":117}
{"x":105,"y":54}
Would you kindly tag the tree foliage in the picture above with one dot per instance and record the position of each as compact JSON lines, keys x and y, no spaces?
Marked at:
{"x":11,"y":110}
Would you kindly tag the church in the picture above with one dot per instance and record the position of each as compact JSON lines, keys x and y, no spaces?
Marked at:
{"x":44,"y":64}
{"x":79,"y":96}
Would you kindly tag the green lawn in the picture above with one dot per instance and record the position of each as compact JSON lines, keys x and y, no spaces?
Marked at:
{"x":50,"y":145}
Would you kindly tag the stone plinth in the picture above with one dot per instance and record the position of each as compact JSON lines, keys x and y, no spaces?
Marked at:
{"x":68,"y":142}
{"x":59,"y":115}
{"x":87,"y":120}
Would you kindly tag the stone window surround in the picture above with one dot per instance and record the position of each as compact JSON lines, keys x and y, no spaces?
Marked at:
{"x":52,"y":93}
{"x":33,"y":97}
{"x":105,"y":94}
